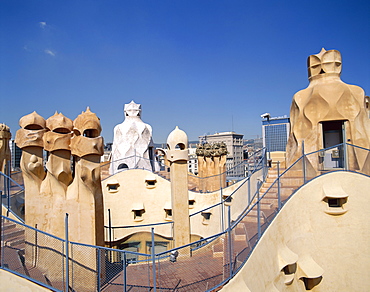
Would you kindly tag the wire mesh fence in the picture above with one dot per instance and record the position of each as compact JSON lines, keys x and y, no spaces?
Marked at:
{"x":12,"y":194}
{"x":32,"y":253}
{"x":194,"y":267}
{"x":197,"y":183}
{"x":203,"y":265}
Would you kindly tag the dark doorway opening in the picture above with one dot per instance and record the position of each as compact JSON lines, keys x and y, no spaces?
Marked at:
{"x":332,"y":133}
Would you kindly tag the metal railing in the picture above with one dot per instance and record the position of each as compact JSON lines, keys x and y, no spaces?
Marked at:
{"x":12,"y":196}
{"x":256,"y":164}
{"x":232,"y":175}
{"x":203,"y":265}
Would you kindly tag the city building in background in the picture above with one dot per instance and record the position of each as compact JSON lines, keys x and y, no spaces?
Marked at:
{"x":16,"y":154}
{"x":107,"y":152}
{"x":234,"y":143}
{"x":275,"y":132}
{"x":193,"y":159}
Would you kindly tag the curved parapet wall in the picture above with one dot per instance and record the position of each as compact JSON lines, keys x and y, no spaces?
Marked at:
{"x":12,"y":282}
{"x":319,"y":241}
{"x":139,"y":197}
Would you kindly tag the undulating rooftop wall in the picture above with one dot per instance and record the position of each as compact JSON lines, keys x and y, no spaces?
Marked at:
{"x":318,"y":242}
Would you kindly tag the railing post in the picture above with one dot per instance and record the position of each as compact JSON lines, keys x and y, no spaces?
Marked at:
{"x":8,"y":167}
{"x":7,"y":191}
{"x":263,"y":163}
{"x":67,"y":252}
{"x":98,"y":269}
{"x":124,"y":271}
{"x":135,"y":159}
{"x":153,"y":262}
{"x":2,"y":242}
{"x":278,"y":182}
{"x":345,"y":147}
{"x":229,"y":241}
{"x":258,"y":215}
{"x":266,"y":166}
{"x":110,"y":228}
{"x":254,"y":161}
{"x":303,"y":163}
{"x":222,"y":205}
{"x":345,"y":156}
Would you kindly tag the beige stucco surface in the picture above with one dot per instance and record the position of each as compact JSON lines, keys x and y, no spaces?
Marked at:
{"x":51,"y":193}
{"x":13,"y":283}
{"x":133,"y":192}
{"x":326,"y":99}
{"x":321,"y":241}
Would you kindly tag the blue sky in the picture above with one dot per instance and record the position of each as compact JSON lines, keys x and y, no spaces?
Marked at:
{"x":205,"y":66}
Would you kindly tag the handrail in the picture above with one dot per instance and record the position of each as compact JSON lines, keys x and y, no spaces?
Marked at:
{"x":202,"y":243}
{"x":33,"y":229}
{"x":230,"y":196}
{"x":9,"y":178}
{"x":192,"y":243}
{"x":142,"y":225}
{"x":160,"y":164}
{"x":7,"y":206}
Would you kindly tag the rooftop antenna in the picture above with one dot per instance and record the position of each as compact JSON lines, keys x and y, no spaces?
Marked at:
{"x":232,"y":123}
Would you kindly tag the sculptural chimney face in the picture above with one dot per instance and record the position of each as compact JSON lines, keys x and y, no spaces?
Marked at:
{"x":325,"y":63}
{"x":87,"y":139}
{"x":177,"y":145}
{"x":33,"y":127}
{"x":132,"y":110}
{"x":60,"y":133}
{"x":5,"y":136}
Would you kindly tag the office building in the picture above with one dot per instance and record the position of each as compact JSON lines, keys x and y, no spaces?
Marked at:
{"x":16,"y":154}
{"x":275,"y":132}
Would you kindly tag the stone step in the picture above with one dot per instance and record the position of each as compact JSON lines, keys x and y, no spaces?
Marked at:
{"x":218,"y":250}
{"x":239,"y":234}
{"x":284,"y":191}
{"x":12,"y":233}
{"x":270,"y":180}
{"x":252,"y":217}
{"x":290,"y":173}
{"x":275,"y":186}
{"x":268,"y":200}
{"x":17,"y":241}
{"x":9,"y":225}
{"x":291,"y":181}
{"x":266,"y":205}
{"x":288,"y":181}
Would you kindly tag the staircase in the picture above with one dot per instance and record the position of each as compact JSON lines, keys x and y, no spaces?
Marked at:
{"x":288,"y":184}
{"x":244,"y":235}
{"x":13,"y":242}
{"x":13,"y":236}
